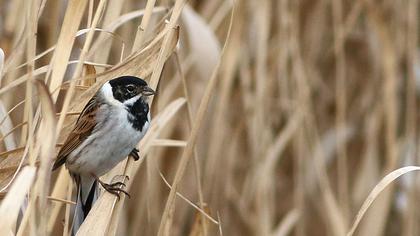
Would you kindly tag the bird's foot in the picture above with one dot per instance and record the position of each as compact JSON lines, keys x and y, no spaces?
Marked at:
{"x":114,"y":188}
{"x":135,"y":154}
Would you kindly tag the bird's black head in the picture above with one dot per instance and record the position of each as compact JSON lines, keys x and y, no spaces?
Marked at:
{"x":126,"y":87}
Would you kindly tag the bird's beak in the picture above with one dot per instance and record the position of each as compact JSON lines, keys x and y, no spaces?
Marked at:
{"x":147,"y":91}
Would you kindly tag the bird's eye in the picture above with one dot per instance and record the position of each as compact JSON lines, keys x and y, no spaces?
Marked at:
{"x":131,"y":88}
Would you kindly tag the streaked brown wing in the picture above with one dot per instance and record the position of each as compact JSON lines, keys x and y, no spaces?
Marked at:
{"x":83,"y":128}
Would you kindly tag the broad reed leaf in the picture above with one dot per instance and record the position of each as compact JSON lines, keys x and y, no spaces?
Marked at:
{"x":198,"y":33}
{"x":72,"y":19}
{"x":13,"y":201}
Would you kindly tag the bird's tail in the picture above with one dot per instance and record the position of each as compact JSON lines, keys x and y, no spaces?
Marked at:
{"x":87,"y":194}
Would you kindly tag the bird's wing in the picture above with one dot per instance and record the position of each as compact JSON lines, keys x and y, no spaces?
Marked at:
{"x":83,"y":128}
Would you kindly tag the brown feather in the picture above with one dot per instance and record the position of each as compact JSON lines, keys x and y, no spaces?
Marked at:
{"x":83,"y":128}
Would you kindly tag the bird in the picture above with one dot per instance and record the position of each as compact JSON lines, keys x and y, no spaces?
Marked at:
{"x":107,"y":130}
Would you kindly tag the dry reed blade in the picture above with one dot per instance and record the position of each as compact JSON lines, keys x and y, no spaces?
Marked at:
{"x":1,"y":64}
{"x":5,"y":127}
{"x":167,"y":214}
{"x":287,"y":223}
{"x":199,"y":33}
{"x":410,"y":225}
{"x":195,"y":154}
{"x":113,"y":11}
{"x":144,"y":25}
{"x":204,"y":211}
{"x":388,"y":65}
{"x":79,"y":67}
{"x":341,"y":100}
{"x":45,"y":146}
{"x":59,"y":191}
{"x":72,"y":19}
{"x":380,"y":187}
{"x":11,"y":205}
{"x":169,"y":143}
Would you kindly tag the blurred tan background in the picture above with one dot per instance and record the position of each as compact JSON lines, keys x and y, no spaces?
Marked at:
{"x":314,"y":102}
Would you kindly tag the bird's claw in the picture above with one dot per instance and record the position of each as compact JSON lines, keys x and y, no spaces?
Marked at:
{"x":135,"y":154}
{"x":118,"y":184}
{"x":114,"y":188}
{"x":116,"y":191}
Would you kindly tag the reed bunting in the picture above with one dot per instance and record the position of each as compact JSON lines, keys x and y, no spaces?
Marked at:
{"x":106,"y":132}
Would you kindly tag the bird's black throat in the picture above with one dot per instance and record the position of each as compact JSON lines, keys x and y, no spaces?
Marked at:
{"x":138,"y":114}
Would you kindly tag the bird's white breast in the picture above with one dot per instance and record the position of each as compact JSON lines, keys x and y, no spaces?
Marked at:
{"x":111,"y":141}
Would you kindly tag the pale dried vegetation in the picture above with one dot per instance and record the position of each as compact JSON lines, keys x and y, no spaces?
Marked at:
{"x":273,"y":117}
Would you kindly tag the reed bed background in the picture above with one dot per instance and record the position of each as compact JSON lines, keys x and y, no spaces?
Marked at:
{"x":273,"y":117}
